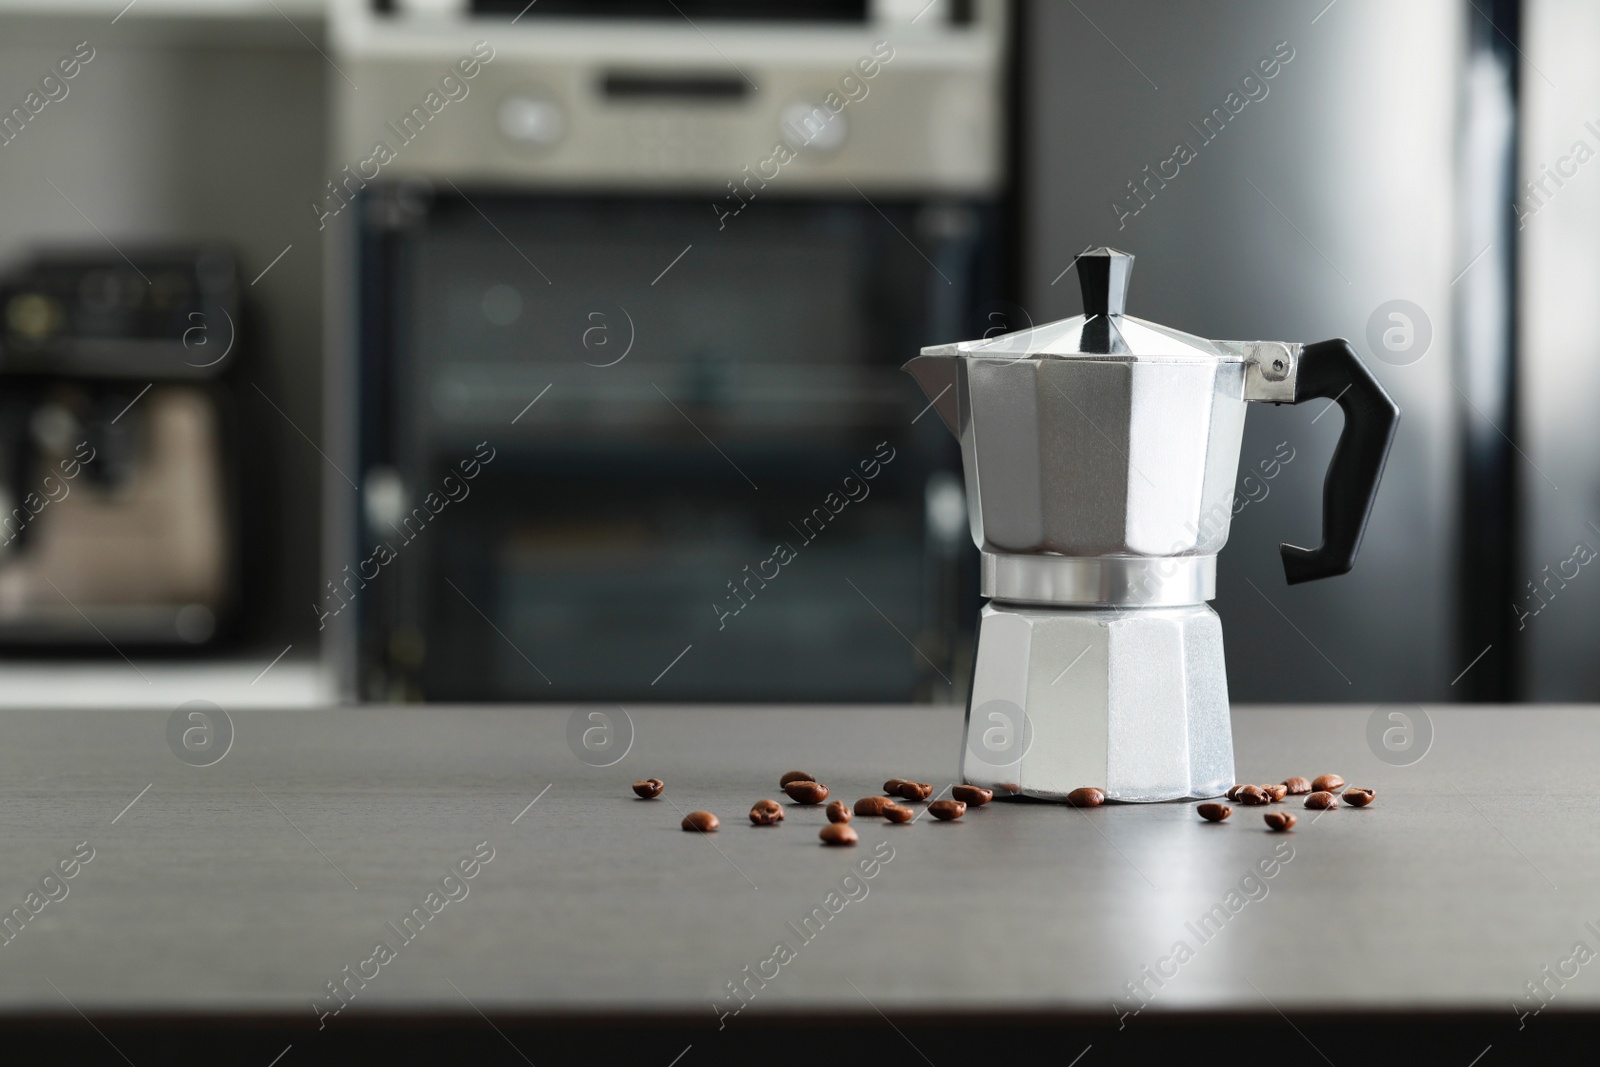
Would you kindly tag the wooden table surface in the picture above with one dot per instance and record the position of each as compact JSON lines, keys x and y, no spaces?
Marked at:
{"x":243,"y":889}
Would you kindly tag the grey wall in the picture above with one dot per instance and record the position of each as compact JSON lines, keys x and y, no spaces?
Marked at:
{"x":210,"y":137}
{"x":1354,"y":145}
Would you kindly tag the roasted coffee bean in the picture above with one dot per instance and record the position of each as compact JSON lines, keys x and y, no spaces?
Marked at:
{"x":806,"y":792}
{"x":794,"y":776}
{"x":1214,"y":812}
{"x":1279,"y":820}
{"x":703,"y":821}
{"x":872,"y":805}
{"x":837,"y":812}
{"x":1322,"y":799}
{"x":1296,"y":785}
{"x":1233,"y":791}
{"x":1357,"y":797}
{"x":649,"y":788}
{"x":916,"y":790}
{"x":1327,"y":783}
{"x":766,"y":812}
{"x":972,"y":795}
{"x":838,"y":833}
{"x":945,"y":810}
{"x":892,"y":786}
{"x":1086,"y":797}
{"x":1252,"y":794}
{"x":1276,"y":792}
{"x":897,"y":813}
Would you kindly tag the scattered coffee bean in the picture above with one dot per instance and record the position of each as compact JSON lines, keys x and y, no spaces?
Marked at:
{"x":838,"y":833}
{"x":1279,"y":820}
{"x":892,"y":786}
{"x":1357,"y":797}
{"x":1296,"y":785}
{"x":1327,"y":783}
{"x":1322,"y":799}
{"x":1276,"y":792}
{"x":766,"y":812}
{"x":703,"y":821}
{"x":916,"y":790}
{"x":872,"y":805}
{"x":806,"y":792}
{"x":838,"y":812}
{"x":972,"y":795}
{"x":1252,"y":794}
{"x":1086,"y":797}
{"x":1233,"y":791}
{"x":897,"y":813}
{"x":794,"y":776}
{"x":1214,"y":812}
{"x":945,"y":810}
{"x":649,"y":788}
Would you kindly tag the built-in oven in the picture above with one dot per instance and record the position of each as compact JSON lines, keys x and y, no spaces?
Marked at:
{"x":616,"y":402}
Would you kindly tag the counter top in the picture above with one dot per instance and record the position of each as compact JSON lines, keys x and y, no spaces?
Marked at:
{"x":243,"y":889}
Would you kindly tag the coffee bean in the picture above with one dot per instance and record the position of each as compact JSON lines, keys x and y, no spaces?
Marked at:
{"x":703,"y":821}
{"x":916,"y":790}
{"x":1252,"y":794}
{"x":1214,"y":812}
{"x":1357,"y":797}
{"x":838,"y":833}
{"x":872,"y":805}
{"x":649,"y":788}
{"x":892,"y":786}
{"x":897,"y":813}
{"x":972,"y":795}
{"x":837,"y":812}
{"x":1279,"y":820}
{"x":1276,"y":792}
{"x":806,"y":792}
{"x":1322,"y":799}
{"x":794,"y":776}
{"x":1086,"y":797}
{"x":1296,"y":785}
{"x":766,"y":812}
{"x":1327,"y":783}
{"x":1233,"y":791}
{"x":945,"y":810}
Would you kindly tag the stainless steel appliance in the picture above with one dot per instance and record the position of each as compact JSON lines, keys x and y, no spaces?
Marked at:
{"x":655,"y":261}
{"x":1286,"y":225}
{"x":118,"y":516}
{"x":1100,"y":453}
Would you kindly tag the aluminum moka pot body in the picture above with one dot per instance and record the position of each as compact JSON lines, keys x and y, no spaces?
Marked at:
{"x":1100,"y":454}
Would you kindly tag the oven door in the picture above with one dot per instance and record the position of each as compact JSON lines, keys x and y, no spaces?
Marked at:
{"x":613,"y":451}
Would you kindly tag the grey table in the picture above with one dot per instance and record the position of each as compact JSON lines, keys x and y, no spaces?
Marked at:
{"x":222,"y":901}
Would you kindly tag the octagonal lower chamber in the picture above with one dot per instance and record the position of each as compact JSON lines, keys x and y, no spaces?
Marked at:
{"x":1134,"y":702}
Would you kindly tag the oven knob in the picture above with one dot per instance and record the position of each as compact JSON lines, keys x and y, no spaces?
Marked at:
{"x":804,"y":124}
{"x":532,"y":119}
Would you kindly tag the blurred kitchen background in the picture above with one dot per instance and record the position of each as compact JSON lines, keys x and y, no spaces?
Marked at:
{"x":514,"y":406}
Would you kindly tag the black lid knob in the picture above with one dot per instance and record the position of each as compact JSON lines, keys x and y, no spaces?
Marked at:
{"x":1103,"y":275}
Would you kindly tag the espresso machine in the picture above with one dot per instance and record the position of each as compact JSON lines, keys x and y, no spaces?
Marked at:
{"x":1100,"y":453}
{"x":120,"y":516}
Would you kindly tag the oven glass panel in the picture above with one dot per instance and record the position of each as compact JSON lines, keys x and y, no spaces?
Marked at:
{"x":706,"y":481}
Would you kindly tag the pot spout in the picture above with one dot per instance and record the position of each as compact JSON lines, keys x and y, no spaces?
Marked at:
{"x":937,"y":376}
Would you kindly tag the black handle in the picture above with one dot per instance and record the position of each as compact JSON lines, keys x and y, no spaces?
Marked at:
{"x":1332,"y":369}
